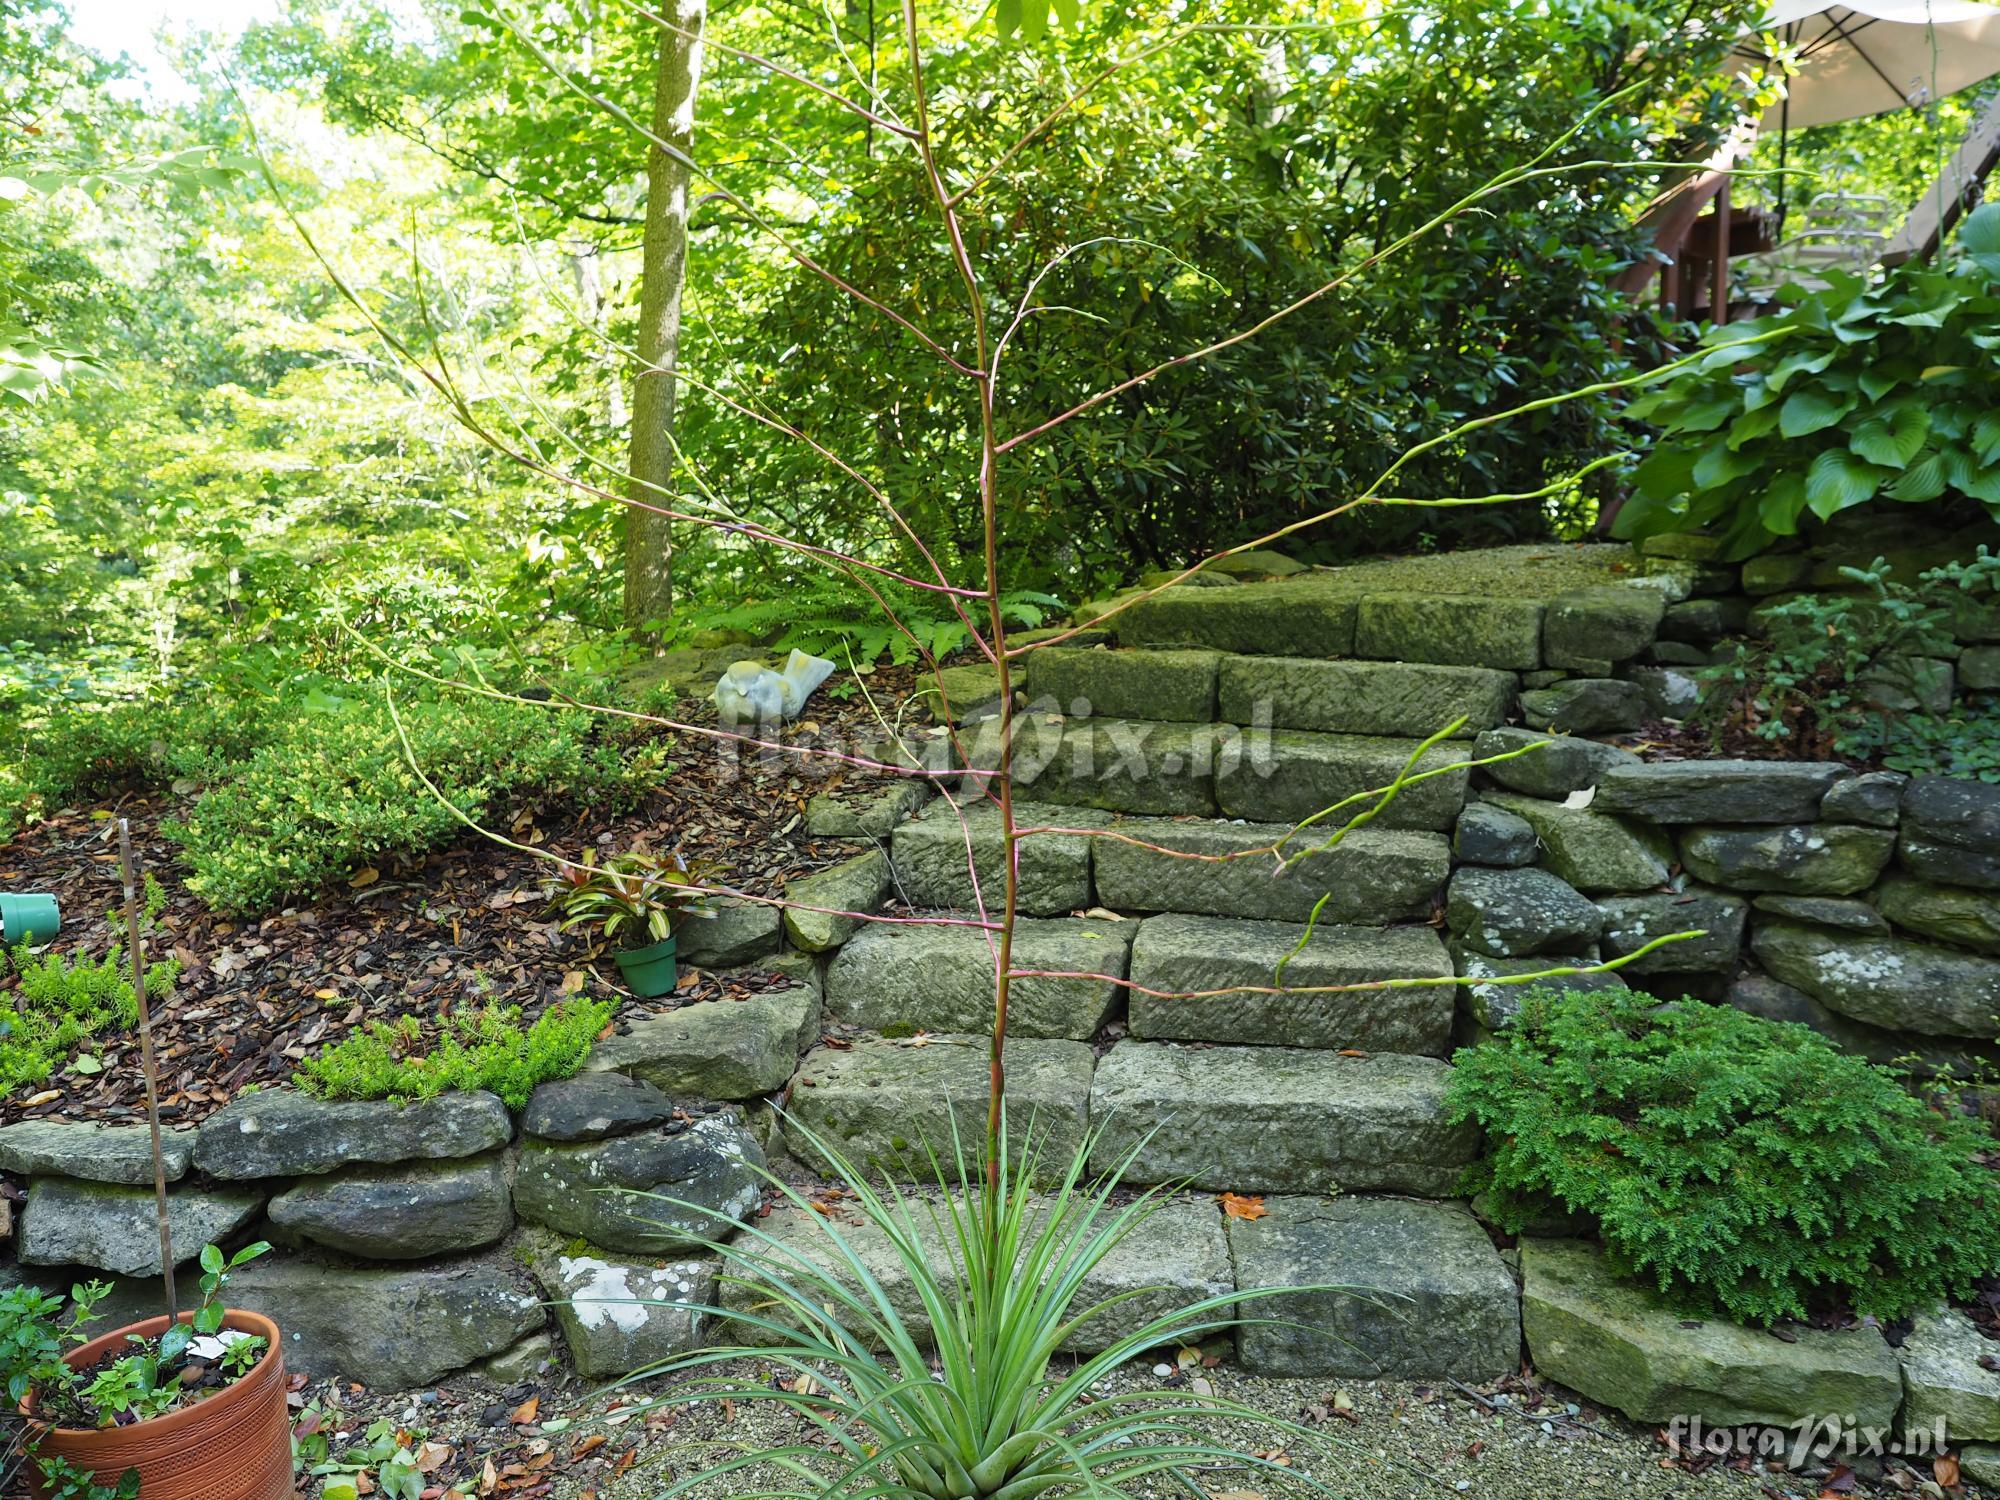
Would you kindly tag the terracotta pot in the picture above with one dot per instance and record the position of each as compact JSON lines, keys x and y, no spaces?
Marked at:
{"x":234,"y":1445}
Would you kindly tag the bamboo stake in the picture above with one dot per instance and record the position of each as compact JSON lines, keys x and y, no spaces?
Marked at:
{"x":138,"y":943}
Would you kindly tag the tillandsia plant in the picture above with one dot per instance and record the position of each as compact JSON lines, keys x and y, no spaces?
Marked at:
{"x":1001,"y":1277}
{"x":635,"y":898}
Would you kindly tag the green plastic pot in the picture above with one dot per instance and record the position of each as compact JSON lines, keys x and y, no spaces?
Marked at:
{"x":29,"y":919}
{"x":650,"y":971}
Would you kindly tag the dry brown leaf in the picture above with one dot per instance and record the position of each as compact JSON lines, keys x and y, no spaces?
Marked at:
{"x":524,"y":1414}
{"x":1944,"y":1469}
{"x":1239,"y":1206}
{"x":366,"y":875}
{"x":587,"y":1445}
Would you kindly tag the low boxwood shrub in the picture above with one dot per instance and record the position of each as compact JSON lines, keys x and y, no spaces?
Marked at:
{"x":1740,"y":1164}
{"x":332,"y":792}
{"x":483,"y":1049}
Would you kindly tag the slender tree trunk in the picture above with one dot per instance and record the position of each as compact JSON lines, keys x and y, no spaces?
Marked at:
{"x":649,"y":551}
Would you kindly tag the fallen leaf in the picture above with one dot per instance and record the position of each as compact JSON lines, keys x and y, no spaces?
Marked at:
{"x":1238,"y":1206}
{"x":366,"y":875}
{"x":1944,"y":1468}
{"x":525,"y":1414}
{"x":572,"y":981}
{"x":587,"y":1445}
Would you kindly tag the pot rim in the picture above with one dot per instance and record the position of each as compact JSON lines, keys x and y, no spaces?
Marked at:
{"x":187,"y":1416}
{"x":650,"y":952}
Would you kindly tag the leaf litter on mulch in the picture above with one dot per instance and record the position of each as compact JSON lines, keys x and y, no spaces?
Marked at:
{"x":419,"y":936}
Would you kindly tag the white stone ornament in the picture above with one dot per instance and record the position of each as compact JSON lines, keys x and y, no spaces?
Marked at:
{"x":751,"y":693}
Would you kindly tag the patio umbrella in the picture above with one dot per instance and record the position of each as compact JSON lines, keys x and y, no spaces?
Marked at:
{"x":1870,"y":57}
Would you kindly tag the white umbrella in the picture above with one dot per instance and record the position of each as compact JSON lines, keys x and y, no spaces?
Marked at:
{"x":1868,"y":57}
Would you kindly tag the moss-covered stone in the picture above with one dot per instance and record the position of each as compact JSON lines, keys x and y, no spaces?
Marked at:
{"x":1892,"y":982}
{"x":1951,"y":914}
{"x":860,"y":884}
{"x":1798,"y":859}
{"x":1593,"y":625}
{"x":1262,"y":619}
{"x":1287,"y":778}
{"x":1595,"y":852}
{"x":1453,"y":631}
{"x":1361,"y":697}
{"x":1172,"y":685}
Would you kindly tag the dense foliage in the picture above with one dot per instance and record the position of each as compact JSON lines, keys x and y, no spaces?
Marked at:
{"x":486,"y":1049}
{"x":1736,"y":1162}
{"x":1855,"y":675}
{"x":328,"y":793}
{"x":1869,"y":392}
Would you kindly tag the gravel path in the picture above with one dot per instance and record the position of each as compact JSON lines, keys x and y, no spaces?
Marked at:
{"x":1385,"y":1440}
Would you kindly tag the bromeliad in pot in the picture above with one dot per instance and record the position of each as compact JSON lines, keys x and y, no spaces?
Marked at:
{"x":638,"y":900}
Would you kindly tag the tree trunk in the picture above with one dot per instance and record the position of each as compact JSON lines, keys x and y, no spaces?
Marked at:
{"x":649,"y":552}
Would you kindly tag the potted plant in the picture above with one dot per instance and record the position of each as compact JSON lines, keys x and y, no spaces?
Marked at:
{"x":638,"y":899}
{"x":184,"y":1406}
{"x":161,"y":1409}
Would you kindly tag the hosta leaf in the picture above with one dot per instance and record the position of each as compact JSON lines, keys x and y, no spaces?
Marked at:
{"x":1811,"y":410}
{"x":1780,"y":507}
{"x":1838,"y":481}
{"x":1719,"y":464}
{"x":1792,"y":364}
{"x":1752,"y":425}
{"x":1894,"y":439}
{"x":1667,"y":472}
{"x":1969,"y":476}
{"x":1708,"y":413}
{"x":1921,"y":481}
{"x":1986,"y":434}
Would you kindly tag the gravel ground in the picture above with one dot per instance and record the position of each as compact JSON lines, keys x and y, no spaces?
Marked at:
{"x":1385,"y":1440}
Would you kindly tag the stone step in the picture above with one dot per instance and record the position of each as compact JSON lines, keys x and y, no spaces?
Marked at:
{"x":1171,"y":769}
{"x":1277,"y":1120}
{"x":1374,"y":875}
{"x":934,"y":856}
{"x":881,"y":1103}
{"x":1424,"y":1294}
{"x":1191,"y":953}
{"x":894,"y":978}
{"x":1361,"y":697}
{"x":1175,"y":1258}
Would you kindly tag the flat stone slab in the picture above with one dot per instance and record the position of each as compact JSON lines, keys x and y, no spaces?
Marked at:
{"x":717,"y":1049}
{"x":1616,"y":1342}
{"x":1825,"y":911}
{"x":407,"y":1213}
{"x":1874,"y":798}
{"x":935,"y":857}
{"x":1585,"y":705}
{"x":1518,"y":913}
{"x":881,"y":1103}
{"x":592,"y":1106}
{"x":1173,"y":685}
{"x":1550,"y":765}
{"x":860,"y":884}
{"x":1277,"y":1119}
{"x":1760,"y":995}
{"x":1191,"y":954}
{"x":391,"y":1328}
{"x":1492,"y":1001}
{"x":613,"y":1193}
{"x":1596,"y":852}
{"x":941,"y":979}
{"x":95,"y":1153}
{"x":620,"y":1316}
{"x":1409,"y":699}
{"x":1614,"y":623}
{"x":281,"y":1134}
{"x":1943,"y":1381}
{"x":1951,"y":831}
{"x":1460,"y":631}
{"x":1898,"y":983}
{"x":739,"y":932}
{"x":112,"y":1226}
{"x":1118,"y":765}
{"x":1288,"y":777}
{"x":1261,"y":619}
{"x":1949,"y":913}
{"x":1489,"y":835}
{"x":1423,"y":1294}
{"x":1372,"y":875}
{"x":869,"y":810}
{"x":1720,"y":791}
{"x":1631,"y":922}
{"x":1797,"y":859}
{"x":1175,"y":1258}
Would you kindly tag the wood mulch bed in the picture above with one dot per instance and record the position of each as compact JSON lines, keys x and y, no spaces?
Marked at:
{"x":462,"y":926}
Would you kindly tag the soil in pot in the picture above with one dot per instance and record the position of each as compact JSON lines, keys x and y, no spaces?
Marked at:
{"x":233,"y":1444}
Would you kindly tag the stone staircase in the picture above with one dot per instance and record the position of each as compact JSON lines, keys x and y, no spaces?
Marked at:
{"x":1208,"y":722}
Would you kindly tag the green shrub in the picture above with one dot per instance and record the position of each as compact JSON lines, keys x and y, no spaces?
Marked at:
{"x":60,"y":1002}
{"x":484,"y":1049}
{"x":1864,"y":392}
{"x":1835,"y":675}
{"x":1738,"y":1163}
{"x":333,"y":791}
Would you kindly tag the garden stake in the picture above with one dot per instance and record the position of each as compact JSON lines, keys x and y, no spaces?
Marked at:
{"x":134,"y":937}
